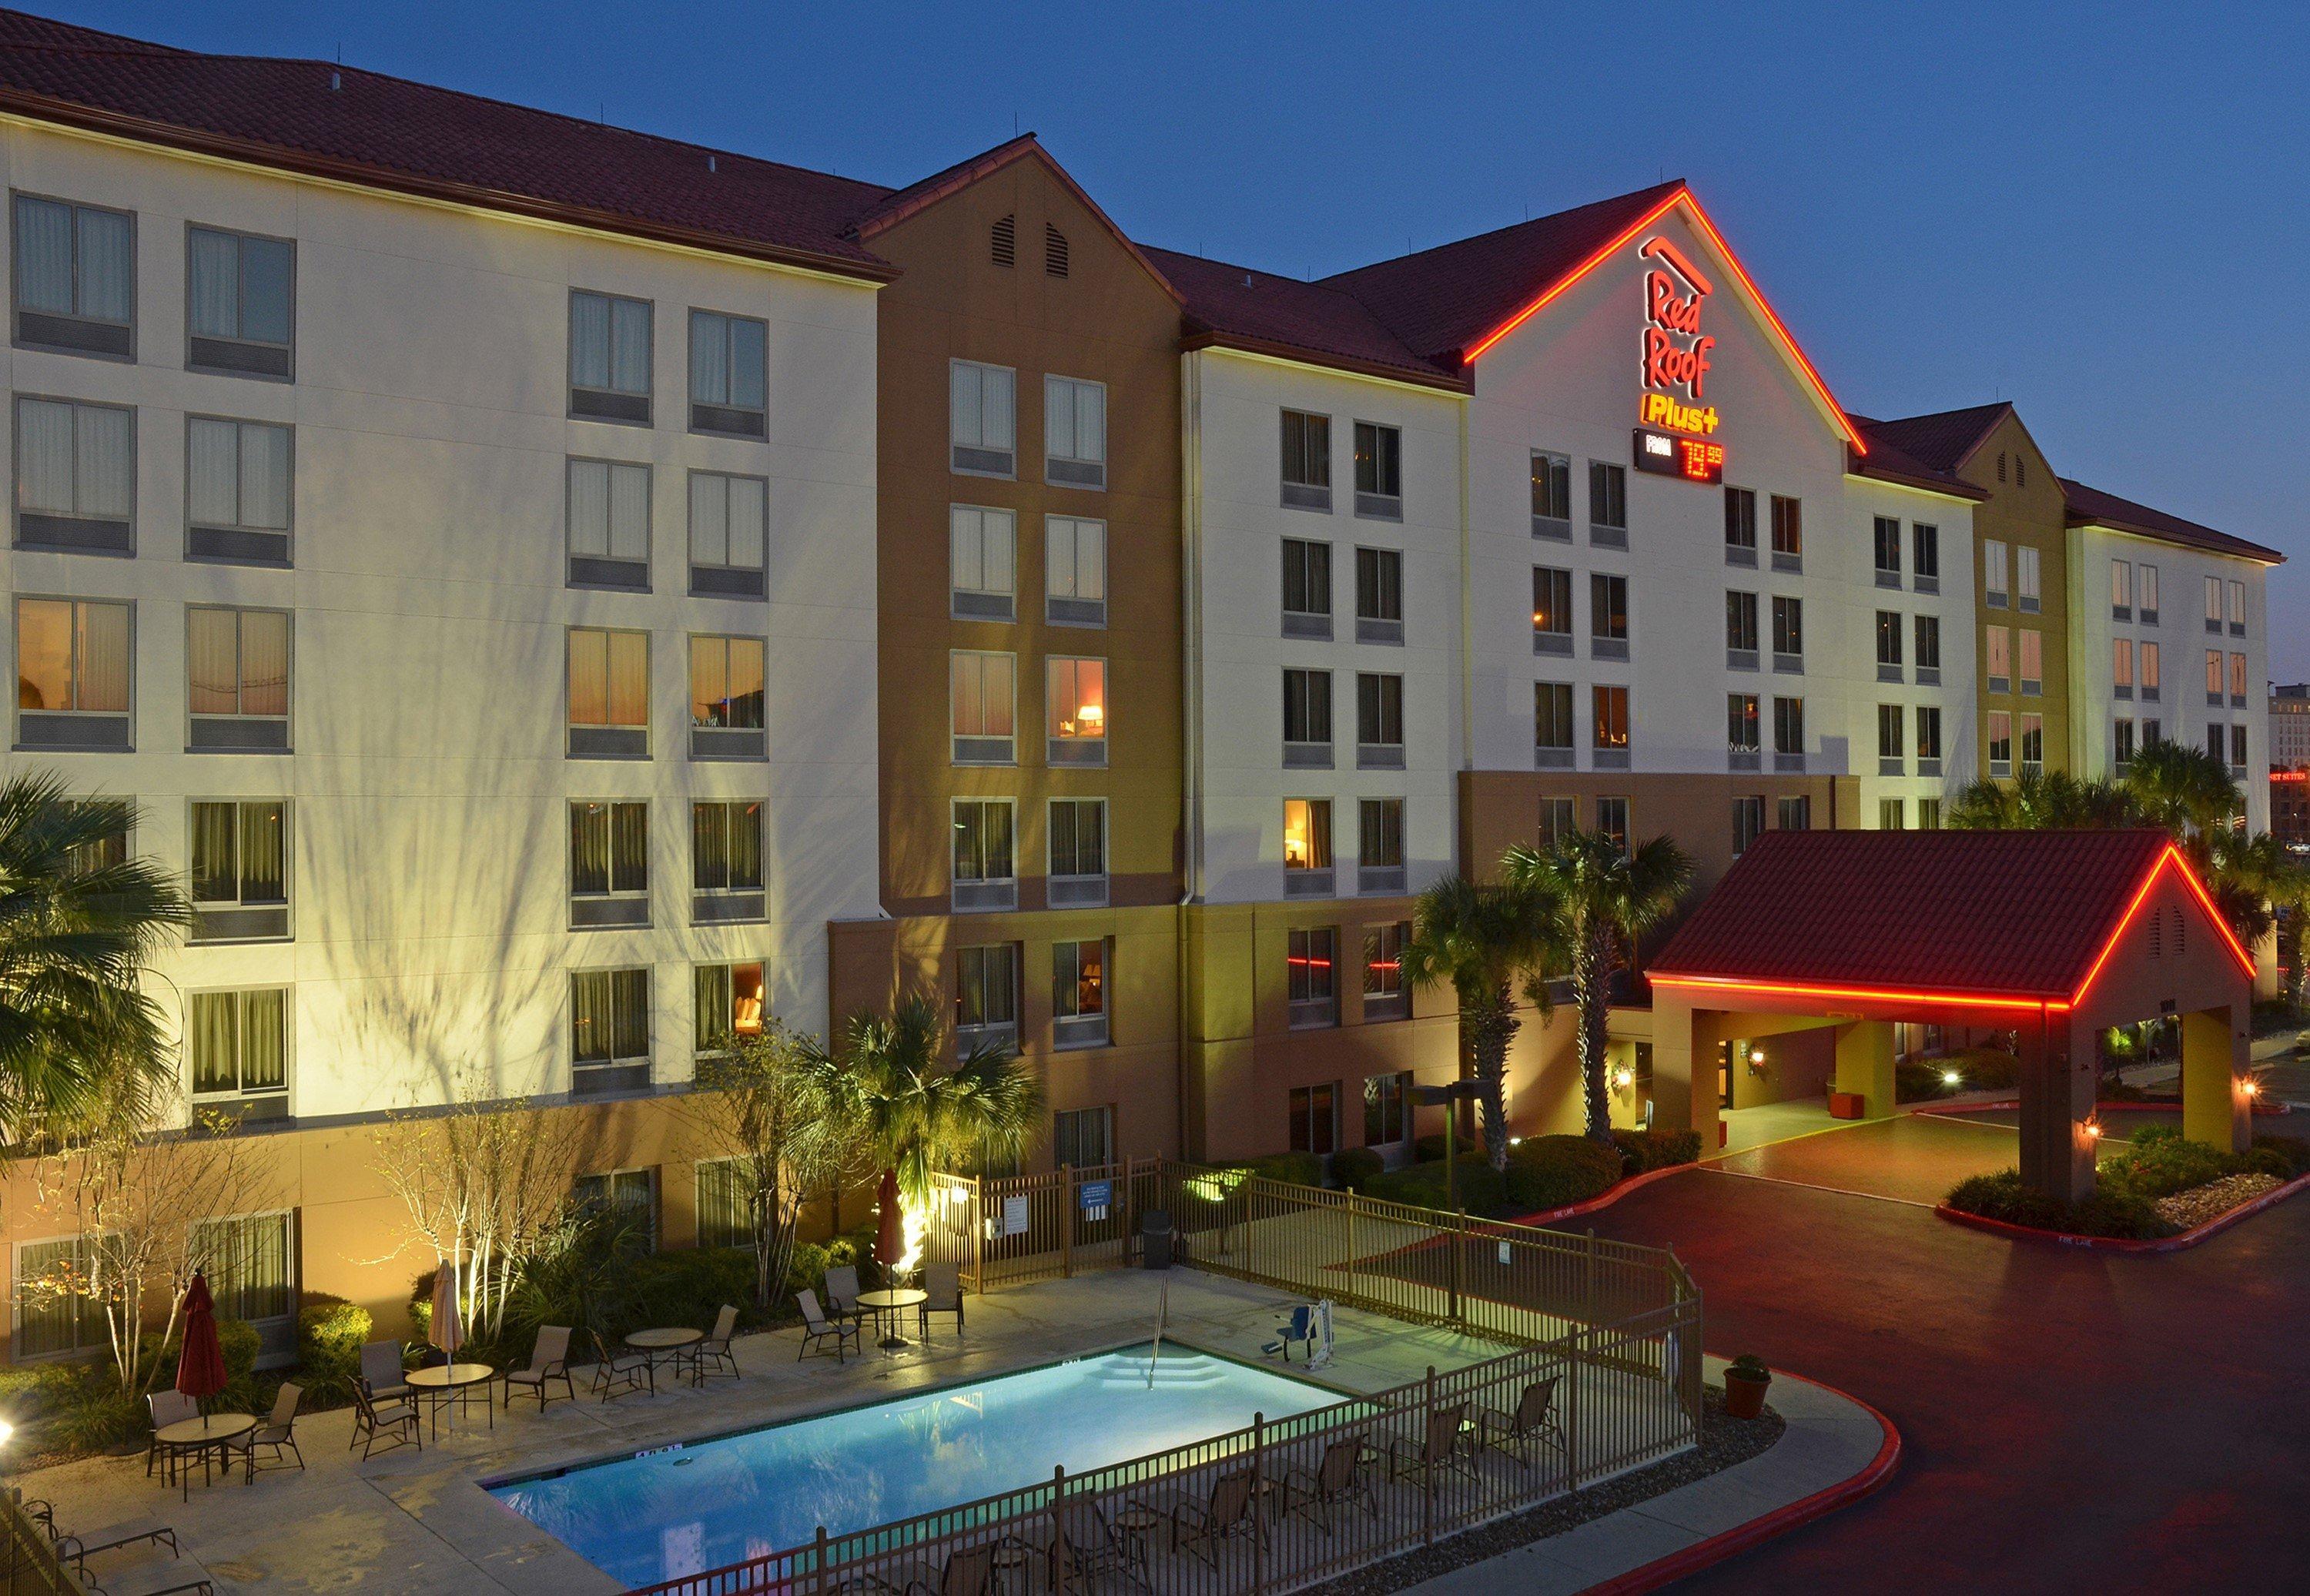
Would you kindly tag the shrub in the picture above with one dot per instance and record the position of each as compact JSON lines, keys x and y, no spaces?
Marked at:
{"x":685,"y":1288}
{"x":330,"y":1331}
{"x":1917,"y":1082}
{"x":2119,"y":1214}
{"x":2259,"y":1160}
{"x":2294,"y":1149}
{"x":1424,"y":1185}
{"x":2108,"y":1212}
{"x":1293,"y":1169}
{"x":2160,"y":1163}
{"x":237,"y":1342}
{"x":1429,"y":1149}
{"x":1354,"y":1167}
{"x":1642,"y":1150}
{"x":1550,"y":1171}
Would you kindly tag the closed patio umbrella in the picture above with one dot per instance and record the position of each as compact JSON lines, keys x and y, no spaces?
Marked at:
{"x":889,"y":1244}
{"x":448,"y":1333}
{"x":200,"y":1363}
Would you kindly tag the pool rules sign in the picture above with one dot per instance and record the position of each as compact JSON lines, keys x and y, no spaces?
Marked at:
{"x":1675,"y":438}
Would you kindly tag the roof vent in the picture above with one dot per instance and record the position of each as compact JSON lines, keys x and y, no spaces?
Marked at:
{"x":1247,"y":280}
{"x":337,"y":80}
{"x":1006,"y":242}
{"x":1054,"y":251}
{"x":709,"y":163}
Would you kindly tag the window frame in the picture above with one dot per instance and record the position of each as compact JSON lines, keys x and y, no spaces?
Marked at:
{"x":1073,"y":609}
{"x":1314,"y":877}
{"x":707,"y":579}
{"x":984,"y":1032}
{"x":1309,"y":751}
{"x":613,"y":737}
{"x":1379,"y":710}
{"x":981,"y":892}
{"x":288,"y":350}
{"x":730,"y":320}
{"x":613,"y":907}
{"x":1311,"y":494}
{"x":257,"y":728}
{"x":615,"y":1070}
{"x":16,"y":277}
{"x":1390,"y":999}
{"x":1304,"y":949}
{"x":286,"y":533}
{"x":1084,"y":473}
{"x":1384,"y":500}
{"x":956,"y":738}
{"x":734,"y":901}
{"x":1308,"y":554}
{"x":730,"y":1033}
{"x":1379,"y":594}
{"x":1074,"y":887}
{"x":610,"y":575}
{"x":1066,"y":745}
{"x":262,"y":1102}
{"x":981,"y":603}
{"x":96,"y":721}
{"x":608,"y":397}
{"x":125,"y":547}
{"x":1072,"y":1025}
{"x":957,"y":449}
{"x":728,"y":740}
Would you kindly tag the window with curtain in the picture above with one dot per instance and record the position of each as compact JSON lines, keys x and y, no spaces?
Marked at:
{"x":728,"y":533}
{"x":239,"y":1042}
{"x":1306,"y":585}
{"x":238,"y":493}
{"x":1551,"y":608}
{"x":728,"y":373}
{"x":1380,"y":833}
{"x":982,"y":563}
{"x":1306,"y":834}
{"x":608,"y":357}
{"x":609,"y":524}
{"x":241,"y":308}
{"x":985,"y":695}
{"x":1077,"y":708}
{"x":240,"y":853}
{"x":1384,"y":997}
{"x":1379,"y":461}
{"x":53,"y":1314}
{"x":609,"y":849}
{"x":2031,"y":645}
{"x":986,"y":992}
{"x":1074,"y":570}
{"x":1083,"y":1138}
{"x":237,"y":662}
{"x":1074,"y":422}
{"x":726,"y":846}
{"x":72,"y":656}
{"x":1551,"y":716}
{"x":1311,"y":976}
{"x":1307,"y":708}
{"x":725,"y":683}
{"x":1307,"y":452}
{"x":983,"y":840}
{"x":980,"y":418}
{"x":729,"y":1005}
{"x":609,"y":678}
{"x":1078,"y":979}
{"x":725,"y":1202}
{"x":1078,"y":836}
{"x":1551,"y":486}
{"x":627,"y":1198}
{"x":75,"y":476}
{"x":251,"y":1263}
{"x":608,"y":1017}
{"x":1379,"y":712}
{"x":75,"y":276}
{"x":1387,"y":1117}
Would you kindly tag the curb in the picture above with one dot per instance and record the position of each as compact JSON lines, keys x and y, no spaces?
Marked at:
{"x":1589,"y":1205}
{"x":1742,"y":1538}
{"x":2120,"y":1243}
{"x":1944,"y":1108}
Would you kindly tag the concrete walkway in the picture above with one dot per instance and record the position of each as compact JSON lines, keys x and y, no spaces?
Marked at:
{"x":1830,"y":1439}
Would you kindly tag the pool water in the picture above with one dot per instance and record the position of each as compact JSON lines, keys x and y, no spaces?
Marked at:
{"x":680,"y":1511}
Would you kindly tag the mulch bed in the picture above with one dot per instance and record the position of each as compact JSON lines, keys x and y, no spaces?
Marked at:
{"x":1723,"y":1442}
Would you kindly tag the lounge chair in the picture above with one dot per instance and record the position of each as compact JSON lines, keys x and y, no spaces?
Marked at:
{"x":1226,"y":1513}
{"x":279,"y":1431}
{"x":615,"y":1372}
{"x":1084,"y":1546}
{"x":1440,"y":1448}
{"x":167,"y":1408}
{"x":381,"y":1369}
{"x":943,"y":1288}
{"x":713,"y":1356}
{"x":1339,"y":1477}
{"x":1532,"y":1423}
{"x":549,"y":1360}
{"x":842,"y":1291}
{"x":375,"y":1421}
{"x":77,"y":1551}
{"x":818,"y":1328}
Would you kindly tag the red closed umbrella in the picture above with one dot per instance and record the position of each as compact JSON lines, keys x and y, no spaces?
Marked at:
{"x":889,"y":1245}
{"x":200,"y":1366}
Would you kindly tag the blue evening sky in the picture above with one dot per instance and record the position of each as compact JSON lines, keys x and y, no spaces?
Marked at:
{"x":2092,"y":210}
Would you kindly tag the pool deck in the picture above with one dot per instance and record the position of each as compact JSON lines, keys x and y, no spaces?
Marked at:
{"x":419,"y":1523}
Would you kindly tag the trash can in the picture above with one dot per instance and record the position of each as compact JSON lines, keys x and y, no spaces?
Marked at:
{"x":1155,"y":1239}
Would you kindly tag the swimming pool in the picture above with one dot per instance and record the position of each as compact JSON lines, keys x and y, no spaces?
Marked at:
{"x":682,"y":1510}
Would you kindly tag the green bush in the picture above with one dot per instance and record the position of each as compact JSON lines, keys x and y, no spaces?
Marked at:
{"x":237,"y":1342}
{"x":685,"y":1288}
{"x":2294,"y":1149}
{"x":1429,"y":1149}
{"x":2108,"y":1212}
{"x":330,"y":1332}
{"x":807,"y":1268}
{"x":1643,"y":1151}
{"x":1550,"y":1171}
{"x":1354,"y":1167}
{"x":2160,"y":1163}
{"x":1292,"y":1169}
{"x":2267,"y":1160}
{"x":1424,"y":1185}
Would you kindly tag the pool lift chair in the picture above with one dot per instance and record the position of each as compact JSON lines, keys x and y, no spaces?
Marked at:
{"x":1310,"y":1325}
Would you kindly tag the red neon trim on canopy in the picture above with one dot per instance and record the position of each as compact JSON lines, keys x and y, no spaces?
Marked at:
{"x":1564,"y":284}
{"x":2173,"y":857}
{"x":1966,"y":1000}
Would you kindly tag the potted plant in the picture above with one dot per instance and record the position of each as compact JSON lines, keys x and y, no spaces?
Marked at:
{"x":1745,"y":1380}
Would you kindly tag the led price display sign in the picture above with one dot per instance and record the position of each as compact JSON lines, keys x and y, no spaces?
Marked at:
{"x":1663,"y":454}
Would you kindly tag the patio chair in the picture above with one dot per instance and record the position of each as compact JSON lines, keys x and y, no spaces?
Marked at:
{"x":1339,"y":1477}
{"x":1440,"y":1447}
{"x":1227,"y":1512}
{"x":279,"y":1431}
{"x":842,"y":1291}
{"x":1084,"y":1546}
{"x":713,"y":1356}
{"x":968,"y":1571}
{"x":549,"y":1360}
{"x":1532,"y":1423}
{"x":616,"y":1372}
{"x":818,"y":1328}
{"x":167,"y":1408}
{"x":381,"y":1370}
{"x":943,"y":1288}
{"x":375,"y":1421}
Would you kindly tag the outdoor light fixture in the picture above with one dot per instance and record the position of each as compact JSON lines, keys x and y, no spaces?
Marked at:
{"x":1624,"y":1078}
{"x":1951,"y":1077}
{"x":1756,"y":1056}
{"x":2093,"y":1129}
{"x":2251,"y":1087}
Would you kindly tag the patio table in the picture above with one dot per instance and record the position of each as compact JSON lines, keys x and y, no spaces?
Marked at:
{"x":893,"y":1302}
{"x":446,"y":1383}
{"x":673,"y":1340}
{"x":213,"y":1434}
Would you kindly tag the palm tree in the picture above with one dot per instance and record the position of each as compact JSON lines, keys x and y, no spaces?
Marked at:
{"x":1605,"y":899}
{"x":2043,"y":800}
{"x":890,"y":1085}
{"x":2249,"y":877}
{"x":1484,"y":938}
{"x":79,"y":919}
{"x":2182,"y":788}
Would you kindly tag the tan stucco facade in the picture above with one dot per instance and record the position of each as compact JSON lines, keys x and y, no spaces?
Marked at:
{"x":2025,"y":509}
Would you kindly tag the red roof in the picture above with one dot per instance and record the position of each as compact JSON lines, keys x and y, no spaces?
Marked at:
{"x":390,"y":133}
{"x":2090,"y":507}
{"x":1887,"y":459}
{"x":2023,"y":914}
{"x":1942,"y":441}
{"x":1241,"y":308}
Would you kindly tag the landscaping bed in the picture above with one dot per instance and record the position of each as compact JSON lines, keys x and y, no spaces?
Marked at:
{"x":1543,"y":1172}
{"x":2158,"y":1187}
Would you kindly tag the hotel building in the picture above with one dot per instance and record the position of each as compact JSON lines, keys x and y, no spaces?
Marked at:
{"x":560,"y":596}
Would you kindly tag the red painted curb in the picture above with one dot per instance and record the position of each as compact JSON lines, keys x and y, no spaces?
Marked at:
{"x":1605,"y":1199}
{"x":2120,"y":1243}
{"x":1742,"y":1538}
{"x":1942,"y":1108}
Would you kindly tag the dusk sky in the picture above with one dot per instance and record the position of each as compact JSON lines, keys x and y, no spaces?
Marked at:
{"x":2088,"y":210}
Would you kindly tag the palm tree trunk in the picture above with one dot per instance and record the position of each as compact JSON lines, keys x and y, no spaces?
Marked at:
{"x":1489,"y":1024}
{"x":1592,"y":978}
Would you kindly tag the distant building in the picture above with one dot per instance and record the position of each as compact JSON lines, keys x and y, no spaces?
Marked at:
{"x":2289,"y":727}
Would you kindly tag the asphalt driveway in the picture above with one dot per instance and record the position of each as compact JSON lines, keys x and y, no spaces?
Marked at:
{"x":1912,"y":1158}
{"x":2072,"y":1420}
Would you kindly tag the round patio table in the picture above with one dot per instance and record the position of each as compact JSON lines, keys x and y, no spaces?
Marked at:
{"x":892,"y":1303}
{"x":213,"y":1434}
{"x":673,"y":1339}
{"x":447,"y":1383}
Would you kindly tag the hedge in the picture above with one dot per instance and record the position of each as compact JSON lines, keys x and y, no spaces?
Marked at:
{"x":1354,"y":1167}
{"x":1423,"y":1186}
{"x":2108,"y":1212}
{"x":1644,"y":1150}
{"x":1550,"y":1171}
{"x":330,"y":1331}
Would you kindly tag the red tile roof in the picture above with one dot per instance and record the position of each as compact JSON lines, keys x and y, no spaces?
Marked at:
{"x":1942,"y":439}
{"x":1240,"y":307}
{"x":2090,"y":507}
{"x":1887,"y":459}
{"x":390,"y":133}
{"x":1987,"y":913}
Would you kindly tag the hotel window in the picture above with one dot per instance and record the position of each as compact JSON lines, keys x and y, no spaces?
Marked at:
{"x":240,"y":303}
{"x":1610,"y":745}
{"x":1307,"y":720}
{"x":728,"y":533}
{"x":1788,"y":734}
{"x":1075,"y":711}
{"x":1925,"y":551}
{"x":1387,"y":1106}
{"x":2024,"y":578}
{"x":237,"y":490}
{"x":1306,"y":847}
{"x":1740,"y":526}
{"x":1992,"y":573}
{"x":2152,"y":673}
{"x":1379,"y":596}
{"x":1748,"y":822}
{"x":1307,"y":461}
{"x":1740,"y":632}
{"x":1380,"y":471}
{"x":725,"y":1202}
{"x":1929,"y":740}
{"x":609,"y":358}
{"x":987,"y":997}
{"x":75,"y":477}
{"x":1075,"y":432}
{"x":2215,"y":744}
{"x":2213,"y":603}
{"x":1889,"y":646}
{"x":625,"y":1198}
{"x":1788,"y":633}
{"x":610,"y":524}
{"x":2121,"y":590}
{"x":609,"y":1038}
{"x":728,"y":371}
{"x":1788,"y":533}
{"x":1078,"y":845}
{"x":1551,"y":729}
{"x":1083,"y":1138}
{"x":609,"y":864}
{"x":985,"y":869}
{"x":2122,"y":743}
{"x":1311,"y":986}
{"x":2000,"y":641}
{"x":1379,"y":721}
{"x":251,"y":1265}
{"x":1608,"y":505}
{"x":1608,"y":616}
{"x":2214,"y":677}
{"x":981,"y":434}
{"x":609,"y":694}
{"x":1315,"y":1119}
{"x":2238,"y":747}
{"x":1892,"y":748}
{"x":2032,"y":646}
{"x":237,"y":1043}
{"x":2146,"y":593}
{"x":1307,"y":588}
{"x":240,"y":870}
{"x":1385,"y":996}
{"x":1074,"y":571}
{"x":2120,"y":675}
{"x":237,"y":679}
{"x":725,"y":698}
{"x":2001,"y":742}
{"x":1551,"y":496}
{"x":726,"y":852}
{"x":2033,"y":743}
{"x":2238,"y":681}
{"x":1551,"y":609}
{"x":1888,"y":814}
{"x":1379,"y":854}
{"x":1741,"y":730}
{"x":1612,"y":822}
{"x":2237,"y":608}
{"x":2151,"y":735}
{"x":1557,"y":820}
{"x":75,"y":277}
{"x":984,"y":701}
{"x":105,"y":852}
{"x":729,"y":1009}
{"x":1889,"y":551}
{"x":1929,"y":814}
{"x":1078,"y":993}
{"x":53,"y":1316}
{"x":1929,"y":650}
{"x":1794,"y":814}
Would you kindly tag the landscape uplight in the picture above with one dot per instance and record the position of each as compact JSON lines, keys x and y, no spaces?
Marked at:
{"x":1951,"y":1077}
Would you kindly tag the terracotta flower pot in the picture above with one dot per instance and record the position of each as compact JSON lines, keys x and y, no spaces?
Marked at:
{"x":1744,"y":1397}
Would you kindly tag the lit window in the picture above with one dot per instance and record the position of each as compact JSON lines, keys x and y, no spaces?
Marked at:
{"x":1078,"y":993}
{"x":725,"y":684}
{"x":728,"y":998}
{"x":609,"y":693}
{"x":1076,"y":693}
{"x":1306,"y":834}
{"x":1611,"y":719}
{"x":73,"y":662}
{"x":238,"y":1042}
{"x":237,"y":678}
